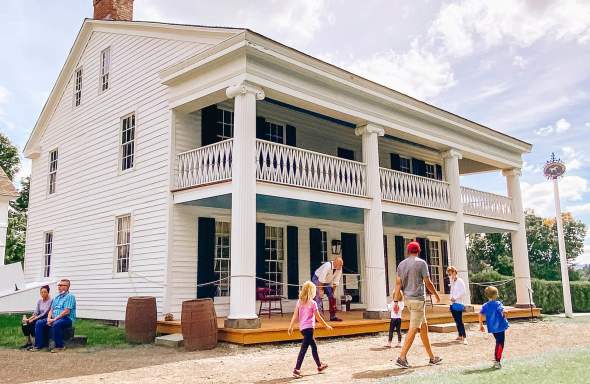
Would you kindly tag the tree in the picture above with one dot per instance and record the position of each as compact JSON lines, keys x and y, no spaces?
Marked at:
{"x":493,"y":251}
{"x":17,"y":225}
{"x":9,"y":160}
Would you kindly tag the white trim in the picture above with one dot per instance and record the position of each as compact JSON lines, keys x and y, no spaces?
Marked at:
{"x":127,"y":273}
{"x":121,"y":171}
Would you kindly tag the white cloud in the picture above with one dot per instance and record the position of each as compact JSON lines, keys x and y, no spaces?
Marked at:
{"x":578,"y":209}
{"x":587,"y":124}
{"x":573,"y":159}
{"x":560,"y":126}
{"x":539,"y":196}
{"x":4,"y":99}
{"x":520,"y":62}
{"x":300,"y":19}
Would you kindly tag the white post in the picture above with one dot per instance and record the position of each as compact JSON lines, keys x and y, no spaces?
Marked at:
{"x":3,"y":227}
{"x":520,"y":253}
{"x":565,"y":279}
{"x":242,"y":301}
{"x":373,"y":225}
{"x":457,"y":248}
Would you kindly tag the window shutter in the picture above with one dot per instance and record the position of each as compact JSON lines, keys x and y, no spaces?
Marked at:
{"x":385,"y":256}
{"x":445,"y":260}
{"x":291,"y":138}
{"x":209,"y":125}
{"x":261,"y":128}
{"x":205,"y":257}
{"x":260,"y":242}
{"x":423,"y":248}
{"x":395,"y":162}
{"x":292,"y":262}
{"x":345,"y":153}
{"x":399,"y":250}
{"x":315,"y":249}
{"x":439,"y":174}
{"x":418,"y":167}
{"x":350,"y":252}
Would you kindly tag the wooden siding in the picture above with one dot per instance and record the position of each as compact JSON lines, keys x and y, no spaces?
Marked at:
{"x":91,"y":191}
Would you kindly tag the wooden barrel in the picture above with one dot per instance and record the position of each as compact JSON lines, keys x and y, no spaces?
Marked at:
{"x":140,"y":319}
{"x":199,"y":324}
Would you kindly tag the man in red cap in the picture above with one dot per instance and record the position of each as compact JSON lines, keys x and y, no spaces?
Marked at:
{"x":412,"y":276}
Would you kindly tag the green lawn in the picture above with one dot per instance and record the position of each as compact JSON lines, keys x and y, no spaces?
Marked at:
{"x":99,"y":335}
{"x":568,"y":367}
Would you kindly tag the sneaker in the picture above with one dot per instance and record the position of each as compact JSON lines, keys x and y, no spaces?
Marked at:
{"x":435,"y":360}
{"x":34,"y":349}
{"x":402,"y":363}
{"x":322,"y":367}
{"x":398,"y":345}
{"x":26,"y":346}
{"x":464,"y":341}
{"x":297,"y":374}
{"x":335,"y":318}
{"x":58,"y":350}
{"x":497,"y":365}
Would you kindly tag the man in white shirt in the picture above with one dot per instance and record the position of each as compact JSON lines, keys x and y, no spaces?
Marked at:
{"x":326,"y":278}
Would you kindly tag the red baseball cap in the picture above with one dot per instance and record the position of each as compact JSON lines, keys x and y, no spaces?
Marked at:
{"x":414,"y":247}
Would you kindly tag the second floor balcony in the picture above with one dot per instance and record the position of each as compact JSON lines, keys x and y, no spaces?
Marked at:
{"x":300,"y":168}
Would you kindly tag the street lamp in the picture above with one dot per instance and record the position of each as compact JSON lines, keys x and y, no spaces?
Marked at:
{"x":553,"y":170}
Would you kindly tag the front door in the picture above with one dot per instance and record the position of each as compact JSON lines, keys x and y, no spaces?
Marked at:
{"x":351,"y":269}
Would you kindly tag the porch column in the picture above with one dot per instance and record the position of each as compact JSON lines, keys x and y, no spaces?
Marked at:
{"x":457,"y":250}
{"x":3,"y":226}
{"x":242,"y":300}
{"x":373,"y":225}
{"x":520,"y":254}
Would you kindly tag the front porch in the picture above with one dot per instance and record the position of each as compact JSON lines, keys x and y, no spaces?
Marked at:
{"x":274,"y":329}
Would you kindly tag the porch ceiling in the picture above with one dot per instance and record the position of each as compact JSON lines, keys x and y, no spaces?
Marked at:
{"x":416,"y":223}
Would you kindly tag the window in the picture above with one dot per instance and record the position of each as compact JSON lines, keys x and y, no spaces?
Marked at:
{"x":222,"y":256}
{"x":105,"y":67}
{"x":436,"y":273}
{"x":53,"y":155}
{"x":127,"y":142}
{"x":47,"y":251}
{"x":406,"y":242}
{"x":275,"y":132}
{"x":274,"y":258}
{"x":78,"y":87}
{"x":405,"y":165}
{"x":345,"y":153}
{"x":225,"y":124}
{"x":431,"y":171}
{"x":123,"y":243}
{"x":324,"y":249}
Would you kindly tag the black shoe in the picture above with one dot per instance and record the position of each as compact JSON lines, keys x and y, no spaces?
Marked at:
{"x":26,"y":346}
{"x":402,"y":363}
{"x":335,"y":318}
{"x":435,"y":360}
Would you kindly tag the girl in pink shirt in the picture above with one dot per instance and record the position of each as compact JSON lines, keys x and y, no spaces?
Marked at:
{"x":307,"y":311}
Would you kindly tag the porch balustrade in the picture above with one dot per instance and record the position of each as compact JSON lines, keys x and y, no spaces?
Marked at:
{"x":486,"y":204}
{"x":402,"y":187}
{"x":204,"y":165}
{"x":283,"y":164}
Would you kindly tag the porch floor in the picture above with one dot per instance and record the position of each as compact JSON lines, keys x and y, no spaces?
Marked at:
{"x":274,"y":329}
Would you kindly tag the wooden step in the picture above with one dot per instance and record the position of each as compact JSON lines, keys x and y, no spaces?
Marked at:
{"x":442,"y":328}
{"x":174,"y":340}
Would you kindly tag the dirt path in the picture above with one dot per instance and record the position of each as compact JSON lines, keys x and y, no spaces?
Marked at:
{"x":351,"y":359}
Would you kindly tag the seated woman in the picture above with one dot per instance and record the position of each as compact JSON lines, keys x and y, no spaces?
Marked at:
{"x":43,"y":307}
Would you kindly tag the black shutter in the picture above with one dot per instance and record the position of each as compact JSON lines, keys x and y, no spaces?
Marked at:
{"x":423,"y":248}
{"x":260,"y":242}
{"x":385,"y":255}
{"x":350,"y":252}
{"x":418,"y":167}
{"x":315,"y":249}
{"x":395,"y":162}
{"x":292,"y":262}
{"x":399,"y":250}
{"x":345,"y":153}
{"x":209,"y":125}
{"x":291,"y":138}
{"x":205,"y":257}
{"x":445,"y":260}
{"x":439,"y":174}
{"x":261,"y":128}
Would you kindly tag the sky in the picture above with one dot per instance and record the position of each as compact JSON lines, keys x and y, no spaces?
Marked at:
{"x":520,"y":67}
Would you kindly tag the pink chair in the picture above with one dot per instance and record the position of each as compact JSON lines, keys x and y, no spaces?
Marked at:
{"x":266,"y":295}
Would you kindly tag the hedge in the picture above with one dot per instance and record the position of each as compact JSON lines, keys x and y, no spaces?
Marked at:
{"x":547,"y":295}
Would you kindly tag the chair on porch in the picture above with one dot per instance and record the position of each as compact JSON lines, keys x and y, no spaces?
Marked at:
{"x":270,"y":297}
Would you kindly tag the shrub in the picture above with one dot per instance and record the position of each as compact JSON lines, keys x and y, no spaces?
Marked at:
{"x":547,"y":295}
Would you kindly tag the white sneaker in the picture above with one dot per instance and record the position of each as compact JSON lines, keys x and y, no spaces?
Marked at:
{"x":464,"y":341}
{"x":497,"y":365}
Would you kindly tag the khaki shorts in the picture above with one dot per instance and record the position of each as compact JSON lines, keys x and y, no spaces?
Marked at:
{"x":417,"y":312}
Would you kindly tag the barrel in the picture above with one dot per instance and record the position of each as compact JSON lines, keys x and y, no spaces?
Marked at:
{"x":140,"y":319}
{"x":199,"y":324}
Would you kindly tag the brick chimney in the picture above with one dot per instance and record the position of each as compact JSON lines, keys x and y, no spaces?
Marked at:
{"x":113,"y":10}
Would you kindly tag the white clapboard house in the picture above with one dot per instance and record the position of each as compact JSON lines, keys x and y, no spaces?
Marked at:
{"x":169,"y":156}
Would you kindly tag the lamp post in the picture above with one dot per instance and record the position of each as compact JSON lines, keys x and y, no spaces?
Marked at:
{"x":553,"y":170}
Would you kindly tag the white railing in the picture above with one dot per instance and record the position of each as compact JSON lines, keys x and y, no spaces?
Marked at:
{"x":283,"y":164}
{"x":486,"y":204}
{"x":402,"y":187}
{"x":208,"y":164}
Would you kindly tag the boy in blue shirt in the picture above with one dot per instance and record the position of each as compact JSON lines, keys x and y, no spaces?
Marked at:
{"x":495,"y":320}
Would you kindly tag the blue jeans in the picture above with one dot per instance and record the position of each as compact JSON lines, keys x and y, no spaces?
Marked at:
{"x":44,"y":332}
{"x":329,"y":292}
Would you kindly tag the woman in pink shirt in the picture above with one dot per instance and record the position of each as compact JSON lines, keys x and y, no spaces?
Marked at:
{"x":307,"y":311}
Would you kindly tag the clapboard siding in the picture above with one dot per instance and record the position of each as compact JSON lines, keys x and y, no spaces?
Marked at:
{"x":91,"y":191}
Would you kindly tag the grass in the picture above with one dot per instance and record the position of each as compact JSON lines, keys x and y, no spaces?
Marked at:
{"x":99,"y":335}
{"x":557,"y":367}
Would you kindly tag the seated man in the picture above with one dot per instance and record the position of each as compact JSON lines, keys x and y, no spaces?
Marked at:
{"x":61,"y":316}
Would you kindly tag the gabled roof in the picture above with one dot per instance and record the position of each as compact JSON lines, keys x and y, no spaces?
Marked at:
{"x":6,"y":186}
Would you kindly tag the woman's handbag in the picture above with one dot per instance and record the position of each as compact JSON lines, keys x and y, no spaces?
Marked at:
{"x":457,"y":307}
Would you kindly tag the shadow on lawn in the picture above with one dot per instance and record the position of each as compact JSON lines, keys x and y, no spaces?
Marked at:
{"x":381,"y":374}
{"x":480,"y":370}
